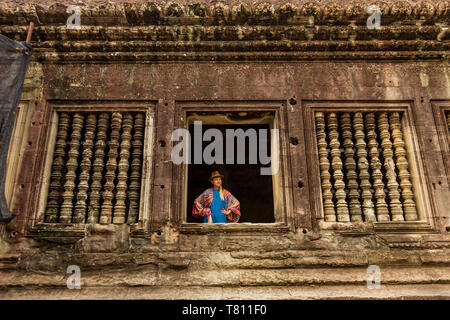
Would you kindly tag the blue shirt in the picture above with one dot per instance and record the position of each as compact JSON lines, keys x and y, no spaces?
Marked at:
{"x":216,"y":207}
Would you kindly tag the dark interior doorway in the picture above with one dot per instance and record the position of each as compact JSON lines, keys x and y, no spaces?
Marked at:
{"x":253,"y":190}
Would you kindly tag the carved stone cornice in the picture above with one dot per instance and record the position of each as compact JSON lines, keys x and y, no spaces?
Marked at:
{"x":137,"y":30}
{"x":420,"y":245}
{"x":227,"y":12}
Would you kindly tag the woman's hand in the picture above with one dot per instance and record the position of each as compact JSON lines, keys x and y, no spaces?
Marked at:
{"x":227,"y":212}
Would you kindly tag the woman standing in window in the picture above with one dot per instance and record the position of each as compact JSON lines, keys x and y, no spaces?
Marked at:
{"x":216,"y":204}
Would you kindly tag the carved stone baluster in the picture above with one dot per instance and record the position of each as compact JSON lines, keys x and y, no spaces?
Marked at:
{"x":363,"y":166}
{"x":350,"y":165}
{"x":395,"y":205}
{"x":136,"y":168}
{"x":448,"y":120}
{"x":72,"y":165}
{"x":51,"y":213}
{"x":324,"y":163}
{"x":98,"y":165}
{"x":409,"y":206}
{"x":121,"y":195}
{"x":375,"y":165}
{"x":88,"y":143}
{"x":336,"y":163}
{"x":111,"y":165}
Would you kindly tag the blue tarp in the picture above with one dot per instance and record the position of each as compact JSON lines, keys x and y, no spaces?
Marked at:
{"x":14,"y":59}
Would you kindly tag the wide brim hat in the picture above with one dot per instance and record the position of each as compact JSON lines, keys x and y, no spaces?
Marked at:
{"x":215,"y":174}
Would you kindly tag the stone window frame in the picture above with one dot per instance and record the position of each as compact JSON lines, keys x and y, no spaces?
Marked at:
{"x":20,"y":136}
{"x":70,"y":232}
{"x":179,"y":193}
{"x":421,"y":183}
{"x":17,"y":145}
{"x":440,"y":108}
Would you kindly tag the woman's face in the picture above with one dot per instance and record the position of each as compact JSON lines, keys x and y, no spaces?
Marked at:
{"x":217,"y":182}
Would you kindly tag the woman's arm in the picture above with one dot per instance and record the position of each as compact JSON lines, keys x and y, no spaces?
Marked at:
{"x":233,"y":207}
{"x":201,"y":206}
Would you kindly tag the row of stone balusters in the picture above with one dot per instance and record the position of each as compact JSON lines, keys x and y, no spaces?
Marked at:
{"x":369,"y":191}
{"x":87,"y":199}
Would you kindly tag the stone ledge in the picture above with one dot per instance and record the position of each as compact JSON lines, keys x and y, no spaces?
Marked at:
{"x":149,"y":276}
{"x":152,"y":57}
{"x":265,"y":228}
{"x":350,"y":292}
{"x":59,"y":232}
{"x":9,"y":261}
{"x":197,"y":34}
